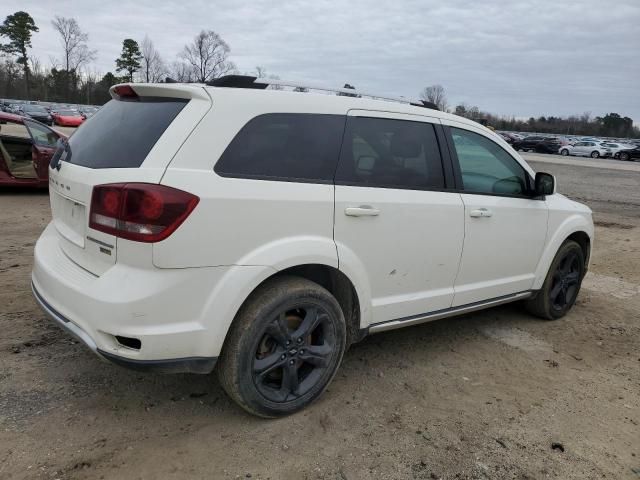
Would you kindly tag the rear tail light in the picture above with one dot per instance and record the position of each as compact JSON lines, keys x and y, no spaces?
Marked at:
{"x":143,"y":212}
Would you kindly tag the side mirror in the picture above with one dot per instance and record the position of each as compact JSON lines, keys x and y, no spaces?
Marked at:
{"x":545,"y":184}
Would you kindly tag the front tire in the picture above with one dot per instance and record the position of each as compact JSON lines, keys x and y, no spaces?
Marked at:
{"x":564,"y":152}
{"x":624,"y":156}
{"x":283,"y":348}
{"x":595,"y":154}
{"x":562,"y":284}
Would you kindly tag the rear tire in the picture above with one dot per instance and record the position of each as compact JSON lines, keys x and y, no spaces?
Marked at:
{"x":624,"y":156}
{"x":562,"y":284}
{"x":595,"y":154}
{"x":564,"y":152}
{"x":283,"y":348}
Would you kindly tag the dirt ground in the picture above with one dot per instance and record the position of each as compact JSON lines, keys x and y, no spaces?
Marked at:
{"x":491,"y":395}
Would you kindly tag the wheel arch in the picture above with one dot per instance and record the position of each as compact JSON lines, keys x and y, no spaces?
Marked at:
{"x":340,"y":286}
{"x":575,"y":228}
{"x":582,"y":239}
{"x":241,"y":282}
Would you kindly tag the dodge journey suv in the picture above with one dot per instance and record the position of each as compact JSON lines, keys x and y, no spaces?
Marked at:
{"x":259,"y":232}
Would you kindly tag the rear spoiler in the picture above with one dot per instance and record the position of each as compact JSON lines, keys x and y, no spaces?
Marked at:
{"x":169,"y":90}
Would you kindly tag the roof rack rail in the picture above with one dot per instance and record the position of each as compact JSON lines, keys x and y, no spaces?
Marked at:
{"x":247,"y":81}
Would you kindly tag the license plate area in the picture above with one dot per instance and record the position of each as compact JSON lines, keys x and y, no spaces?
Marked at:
{"x":69,"y":218}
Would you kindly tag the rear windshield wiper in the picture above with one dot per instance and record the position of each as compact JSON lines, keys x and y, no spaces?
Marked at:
{"x":62,"y":153}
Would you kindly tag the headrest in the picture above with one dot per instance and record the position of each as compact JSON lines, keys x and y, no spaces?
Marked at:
{"x":405,"y":145}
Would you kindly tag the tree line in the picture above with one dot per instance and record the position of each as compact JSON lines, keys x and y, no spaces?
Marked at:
{"x":71,"y":78}
{"x":610,"y":125}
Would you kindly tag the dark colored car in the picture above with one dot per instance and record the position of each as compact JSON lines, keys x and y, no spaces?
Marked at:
{"x":510,"y":139}
{"x":629,"y":154}
{"x":36,"y":112}
{"x":26,"y":148}
{"x":538,"y":144}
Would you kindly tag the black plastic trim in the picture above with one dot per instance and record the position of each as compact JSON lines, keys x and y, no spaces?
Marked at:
{"x":453,"y":310}
{"x":201,"y":365}
{"x":48,"y":305}
{"x":237,"y":81}
{"x":445,"y":158}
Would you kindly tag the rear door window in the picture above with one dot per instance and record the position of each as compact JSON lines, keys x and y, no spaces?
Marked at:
{"x":390,"y":153}
{"x":285,"y":146}
{"x":123,"y":132}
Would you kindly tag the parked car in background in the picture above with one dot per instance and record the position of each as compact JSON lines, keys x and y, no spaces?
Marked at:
{"x":141,"y":193}
{"x":508,"y":137}
{"x":67,"y":118}
{"x":14,"y":108}
{"x":36,"y":112}
{"x":616,"y":147}
{"x":87,"y":112}
{"x":26,"y":147}
{"x":586,"y":149}
{"x":537,"y":143}
{"x":565,"y":141}
{"x":628,"y":154}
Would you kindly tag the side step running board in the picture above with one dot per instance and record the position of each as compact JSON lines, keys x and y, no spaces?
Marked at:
{"x":448,"y":312}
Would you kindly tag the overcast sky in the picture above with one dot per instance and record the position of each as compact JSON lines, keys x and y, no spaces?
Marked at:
{"x":522,"y":58}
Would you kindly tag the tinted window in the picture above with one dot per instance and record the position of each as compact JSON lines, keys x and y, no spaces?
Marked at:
{"x":122,"y":133}
{"x":284,"y":146}
{"x":380,"y":152}
{"x":486,"y":167}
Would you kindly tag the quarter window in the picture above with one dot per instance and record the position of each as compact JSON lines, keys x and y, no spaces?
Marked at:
{"x":285,"y":146}
{"x":486,"y":167}
{"x":380,"y":152}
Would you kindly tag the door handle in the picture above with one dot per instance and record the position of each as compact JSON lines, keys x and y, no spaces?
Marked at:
{"x":480,"y":213}
{"x":361,"y":211}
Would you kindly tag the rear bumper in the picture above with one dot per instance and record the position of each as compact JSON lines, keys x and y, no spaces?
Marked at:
{"x":172,"y":365}
{"x":164,"y":309}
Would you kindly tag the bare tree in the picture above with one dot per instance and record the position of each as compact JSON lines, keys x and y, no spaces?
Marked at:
{"x":435,"y":94}
{"x":208,"y":56}
{"x":153,"y":68}
{"x":180,"y":71}
{"x":76,"y":52}
{"x":261,"y":72}
{"x":74,"y":42}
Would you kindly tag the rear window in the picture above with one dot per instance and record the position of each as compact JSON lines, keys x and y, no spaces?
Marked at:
{"x":121,"y":134}
{"x":285,"y":146}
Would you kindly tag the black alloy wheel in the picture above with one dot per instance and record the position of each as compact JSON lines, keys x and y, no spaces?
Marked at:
{"x":293,"y":353}
{"x":561,"y":285}
{"x":283,"y":348}
{"x":565,"y":283}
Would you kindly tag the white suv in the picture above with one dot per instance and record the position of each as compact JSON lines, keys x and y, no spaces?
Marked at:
{"x":262,"y":231}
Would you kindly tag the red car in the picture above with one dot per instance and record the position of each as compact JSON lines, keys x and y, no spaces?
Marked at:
{"x":67,"y":118}
{"x":26,"y":147}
